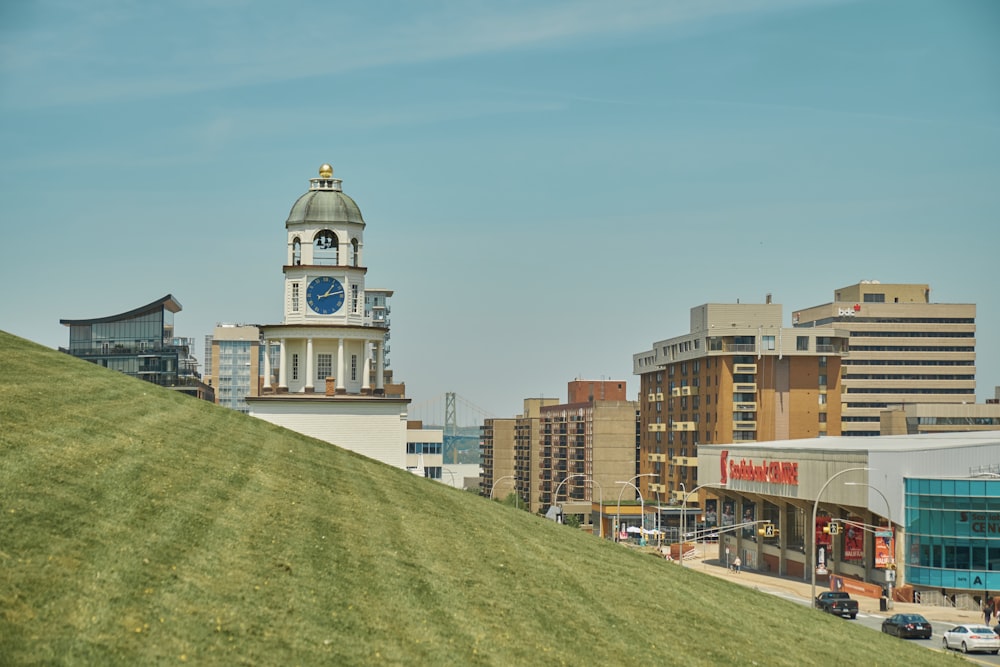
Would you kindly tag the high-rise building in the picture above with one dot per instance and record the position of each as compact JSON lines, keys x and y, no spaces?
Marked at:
{"x":567,"y":454}
{"x":331,"y":377}
{"x":737,"y":376}
{"x":903,"y":349}
{"x":587,"y":446}
{"x":236,"y":362}
{"x":496,"y":453}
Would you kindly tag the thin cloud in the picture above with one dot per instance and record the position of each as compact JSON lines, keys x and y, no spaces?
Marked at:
{"x":147,"y":50}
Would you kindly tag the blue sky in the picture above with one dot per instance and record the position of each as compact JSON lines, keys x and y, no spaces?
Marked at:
{"x":549,"y":187}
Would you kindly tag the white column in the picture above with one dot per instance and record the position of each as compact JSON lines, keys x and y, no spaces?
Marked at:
{"x":283,"y":368}
{"x":309,"y":365}
{"x":365,"y":383}
{"x":379,"y":367}
{"x":340,"y":365}
{"x":267,"y":365}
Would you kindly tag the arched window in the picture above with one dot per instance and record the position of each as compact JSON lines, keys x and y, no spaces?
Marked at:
{"x":296,"y":251}
{"x":354,"y":252}
{"x":325,"y":248}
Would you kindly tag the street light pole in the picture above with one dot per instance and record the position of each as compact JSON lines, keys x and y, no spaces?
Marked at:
{"x":888,"y":509}
{"x":513,"y":477}
{"x":618,"y":516}
{"x":812,"y":559}
{"x":684,"y":515}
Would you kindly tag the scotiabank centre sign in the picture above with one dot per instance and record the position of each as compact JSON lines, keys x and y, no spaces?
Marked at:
{"x":772,"y":472}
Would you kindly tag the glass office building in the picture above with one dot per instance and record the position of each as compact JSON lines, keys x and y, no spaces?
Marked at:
{"x":140,"y":343}
{"x":953,"y":533}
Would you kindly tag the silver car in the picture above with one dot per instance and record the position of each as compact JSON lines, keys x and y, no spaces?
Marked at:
{"x":972,"y":638}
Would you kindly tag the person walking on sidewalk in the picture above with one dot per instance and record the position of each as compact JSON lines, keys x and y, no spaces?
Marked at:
{"x":988,"y":609}
{"x":737,"y":563}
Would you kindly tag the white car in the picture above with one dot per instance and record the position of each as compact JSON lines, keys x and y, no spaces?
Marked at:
{"x":972,"y":638}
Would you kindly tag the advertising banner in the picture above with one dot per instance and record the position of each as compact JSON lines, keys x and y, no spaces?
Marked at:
{"x":885,"y":547}
{"x":749,"y":515}
{"x":728,"y":516}
{"x":854,"y":539}
{"x":821,"y":537}
{"x":711,"y":513}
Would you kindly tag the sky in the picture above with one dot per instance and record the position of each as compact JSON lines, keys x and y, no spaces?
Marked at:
{"x":549,"y":187}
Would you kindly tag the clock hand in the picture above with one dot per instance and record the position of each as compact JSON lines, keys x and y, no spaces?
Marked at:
{"x":331,"y":293}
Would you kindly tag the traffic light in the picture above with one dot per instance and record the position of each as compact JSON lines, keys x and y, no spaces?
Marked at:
{"x":832,"y":528}
{"x":768,"y":531}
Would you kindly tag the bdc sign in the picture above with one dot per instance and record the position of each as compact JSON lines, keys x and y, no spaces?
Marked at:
{"x":849,"y":312}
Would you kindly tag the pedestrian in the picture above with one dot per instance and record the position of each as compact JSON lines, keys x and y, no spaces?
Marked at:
{"x":737,"y":563}
{"x":988,"y":609}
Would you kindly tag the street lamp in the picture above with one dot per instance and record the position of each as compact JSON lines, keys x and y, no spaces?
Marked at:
{"x":888,"y":509}
{"x":452,"y":476}
{"x":600,"y":512}
{"x":618,"y":516}
{"x":815,"y":510}
{"x":684,"y":515}
{"x":513,"y":477}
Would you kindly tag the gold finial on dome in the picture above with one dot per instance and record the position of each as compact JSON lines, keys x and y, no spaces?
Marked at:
{"x":325,"y":171}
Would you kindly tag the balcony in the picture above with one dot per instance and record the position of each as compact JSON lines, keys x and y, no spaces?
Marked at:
{"x":657,"y":488}
{"x":745,"y":368}
{"x":745,"y":407}
{"x":657,"y":427}
{"x":657,"y":458}
{"x":689,"y":391}
{"x":745,"y":388}
{"x":685,"y":461}
{"x":683,"y":426}
{"x":744,"y":426}
{"x":740,"y":347}
{"x":651,"y":397}
{"x":659,"y":396}
{"x":676,"y":391}
{"x":825,"y":349}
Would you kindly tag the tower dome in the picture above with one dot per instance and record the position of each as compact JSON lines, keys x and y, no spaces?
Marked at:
{"x":325,"y":202}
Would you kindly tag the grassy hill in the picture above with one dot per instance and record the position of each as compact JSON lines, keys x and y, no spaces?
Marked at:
{"x":141,"y":527}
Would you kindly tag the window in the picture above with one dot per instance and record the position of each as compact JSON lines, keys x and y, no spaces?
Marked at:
{"x":695,"y":366}
{"x":822,"y":362}
{"x":354,"y":367}
{"x":324,"y":366}
{"x":296,"y":251}
{"x":802,"y":343}
{"x":822,"y":399}
{"x":822,"y":417}
{"x":822,"y":380}
{"x":768,"y":342}
{"x":295,"y":297}
{"x":325,"y":248}
{"x":295,"y":366}
{"x":354,"y":252}
{"x":354,"y":298}
{"x":875,"y":298}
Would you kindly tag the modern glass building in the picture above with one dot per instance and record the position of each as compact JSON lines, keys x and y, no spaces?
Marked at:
{"x":953,"y":532}
{"x":139,"y":343}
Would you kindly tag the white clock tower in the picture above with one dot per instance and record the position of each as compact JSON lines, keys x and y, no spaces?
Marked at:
{"x":330,"y":379}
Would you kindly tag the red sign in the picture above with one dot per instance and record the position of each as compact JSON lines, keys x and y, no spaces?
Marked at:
{"x":723,"y":460}
{"x":773,"y":472}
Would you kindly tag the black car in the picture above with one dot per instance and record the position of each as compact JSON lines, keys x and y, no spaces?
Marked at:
{"x":907,"y":625}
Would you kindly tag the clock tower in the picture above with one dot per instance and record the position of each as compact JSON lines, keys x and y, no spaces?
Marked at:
{"x":328,"y":380}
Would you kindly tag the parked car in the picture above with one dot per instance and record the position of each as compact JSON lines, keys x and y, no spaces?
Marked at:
{"x":837,"y":602}
{"x":907,"y":625}
{"x":972,"y":638}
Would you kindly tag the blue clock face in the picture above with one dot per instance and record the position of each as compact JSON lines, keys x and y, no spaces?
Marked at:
{"x":325,"y":295}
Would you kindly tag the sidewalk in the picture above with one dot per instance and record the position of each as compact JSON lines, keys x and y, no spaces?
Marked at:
{"x":787,"y":586}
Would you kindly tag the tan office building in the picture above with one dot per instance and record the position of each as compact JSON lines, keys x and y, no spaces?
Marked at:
{"x":738,"y":376}
{"x":903,"y":349}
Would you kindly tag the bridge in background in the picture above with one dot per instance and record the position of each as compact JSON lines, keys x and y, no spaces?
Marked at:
{"x":459,"y":418}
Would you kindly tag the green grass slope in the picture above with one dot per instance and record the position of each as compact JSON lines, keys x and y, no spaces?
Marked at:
{"x":141,"y":527}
